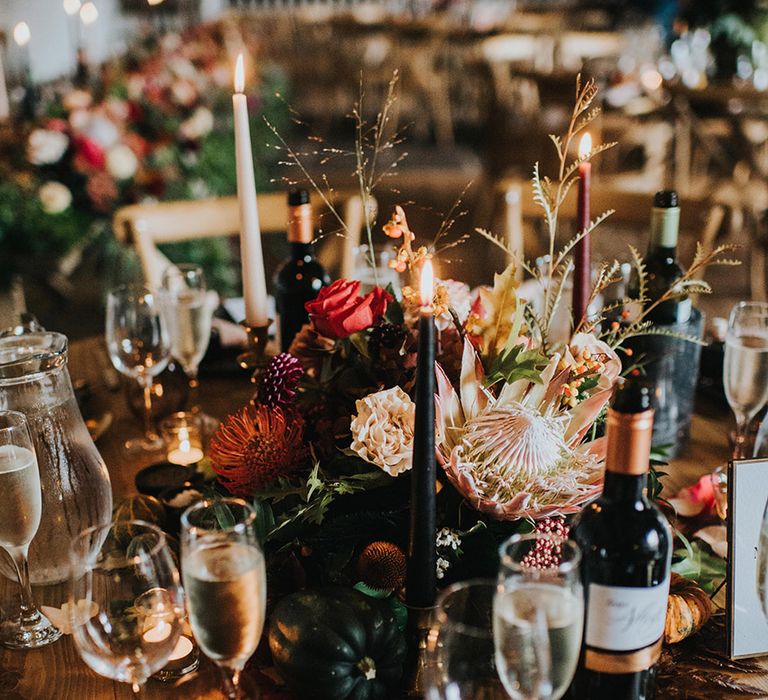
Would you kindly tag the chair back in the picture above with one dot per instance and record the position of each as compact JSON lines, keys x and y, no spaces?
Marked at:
{"x":145,"y":226}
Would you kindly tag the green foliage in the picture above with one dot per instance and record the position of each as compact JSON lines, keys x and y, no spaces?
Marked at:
{"x":308,"y":501}
{"x":695,"y":561}
{"x":515,"y":363}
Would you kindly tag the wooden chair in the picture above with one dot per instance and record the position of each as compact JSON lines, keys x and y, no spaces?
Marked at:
{"x":146,"y":225}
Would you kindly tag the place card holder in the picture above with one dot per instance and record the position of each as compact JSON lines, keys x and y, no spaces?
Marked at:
{"x":746,"y":624}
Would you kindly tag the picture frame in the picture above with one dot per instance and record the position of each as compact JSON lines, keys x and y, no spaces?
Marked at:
{"x":746,"y":624}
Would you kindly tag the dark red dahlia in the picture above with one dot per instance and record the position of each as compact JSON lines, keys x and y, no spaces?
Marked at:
{"x":279,"y":381}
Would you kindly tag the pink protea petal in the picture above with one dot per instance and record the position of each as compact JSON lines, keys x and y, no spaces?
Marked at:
{"x":583,"y":416}
{"x":473,"y":396}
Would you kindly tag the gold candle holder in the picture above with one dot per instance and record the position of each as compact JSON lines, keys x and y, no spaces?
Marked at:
{"x":256,"y":356}
{"x":420,"y":622}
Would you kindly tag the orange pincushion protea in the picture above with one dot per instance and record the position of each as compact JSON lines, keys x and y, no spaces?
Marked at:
{"x":255,"y":446}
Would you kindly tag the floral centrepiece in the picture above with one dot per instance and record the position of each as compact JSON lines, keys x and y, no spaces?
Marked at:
{"x":519,"y":408}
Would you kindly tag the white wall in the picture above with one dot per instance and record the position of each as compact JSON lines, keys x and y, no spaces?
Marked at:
{"x":55,"y":35}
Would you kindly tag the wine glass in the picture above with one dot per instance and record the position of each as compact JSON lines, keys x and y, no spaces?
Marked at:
{"x":188,"y":310}
{"x":539,"y":579}
{"x":137,"y":341}
{"x":225,"y":583}
{"x":745,"y":367}
{"x":20,"y":511}
{"x":125,"y":600}
{"x":461,"y":662}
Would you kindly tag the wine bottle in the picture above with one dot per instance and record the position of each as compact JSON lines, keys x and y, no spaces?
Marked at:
{"x":300,"y":276}
{"x":626,"y":547}
{"x":662,"y":268}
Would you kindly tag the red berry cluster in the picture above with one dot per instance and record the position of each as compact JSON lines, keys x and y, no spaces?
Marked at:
{"x":547,"y":552}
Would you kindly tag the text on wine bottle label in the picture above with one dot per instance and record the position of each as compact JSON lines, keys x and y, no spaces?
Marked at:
{"x":623,"y":619}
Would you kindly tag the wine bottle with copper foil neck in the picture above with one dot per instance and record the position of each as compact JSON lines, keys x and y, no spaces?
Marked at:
{"x":300,"y":277}
{"x":626,"y":547}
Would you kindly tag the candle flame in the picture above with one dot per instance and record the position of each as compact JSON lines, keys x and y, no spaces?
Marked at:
{"x":21,"y":34}
{"x":427,"y":283}
{"x":585,"y":146}
{"x":239,"y":74}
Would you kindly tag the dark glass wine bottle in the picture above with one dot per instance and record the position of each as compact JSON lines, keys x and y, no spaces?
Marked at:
{"x":662,"y":268}
{"x":626,"y":550}
{"x":300,"y":276}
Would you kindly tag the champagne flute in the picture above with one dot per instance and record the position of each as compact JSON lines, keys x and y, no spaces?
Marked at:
{"x":137,"y":341}
{"x":188,"y":310}
{"x":225,"y":583}
{"x":539,"y":580}
{"x":20,"y":511}
{"x":125,"y":600}
{"x":461,"y":663}
{"x":745,"y":367}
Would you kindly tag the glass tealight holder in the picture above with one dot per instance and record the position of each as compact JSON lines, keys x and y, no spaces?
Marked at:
{"x":182,"y":433}
{"x":185,"y":657}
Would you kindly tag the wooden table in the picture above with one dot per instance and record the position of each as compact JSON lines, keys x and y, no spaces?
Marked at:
{"x":57,"y":671}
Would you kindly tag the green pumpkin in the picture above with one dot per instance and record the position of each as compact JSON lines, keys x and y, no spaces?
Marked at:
{"x":337,"y":644}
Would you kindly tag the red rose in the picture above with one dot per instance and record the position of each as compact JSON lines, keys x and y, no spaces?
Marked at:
{"x":91,"y":153}
{"x":339,"y":310}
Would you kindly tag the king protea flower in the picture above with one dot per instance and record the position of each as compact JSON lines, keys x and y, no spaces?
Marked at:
{"x":255,"y":446}
{"x":520,"y":454}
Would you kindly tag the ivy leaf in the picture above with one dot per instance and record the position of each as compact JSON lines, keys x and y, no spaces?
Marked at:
{"x":517,"y":363}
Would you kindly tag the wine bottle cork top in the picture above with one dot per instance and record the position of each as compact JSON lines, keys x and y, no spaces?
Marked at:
{"x":300,"y":226}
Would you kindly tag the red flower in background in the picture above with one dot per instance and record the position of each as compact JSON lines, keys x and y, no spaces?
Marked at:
{"x":90,"y":152}
{"x":339,"y":310}
{"x":56,"y":124}
{"x":255,"y":446}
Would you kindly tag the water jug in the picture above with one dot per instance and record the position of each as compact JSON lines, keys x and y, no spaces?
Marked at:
{"x":76,"y":489}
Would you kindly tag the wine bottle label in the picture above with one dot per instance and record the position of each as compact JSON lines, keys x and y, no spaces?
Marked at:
{"x":623,"y":619}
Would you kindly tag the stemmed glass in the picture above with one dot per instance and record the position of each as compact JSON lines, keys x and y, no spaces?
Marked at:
{"x":125,"y":600}
{"x":225,"y":583}
{"x":20,"y":511}
{"x":461,"y":663}
{"x":539,"y":584}
{"x":188,"y":311}
{"x":745,"y":367}
{"x":137,"y":341}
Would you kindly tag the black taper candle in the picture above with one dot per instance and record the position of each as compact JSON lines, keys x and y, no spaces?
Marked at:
{"x":421,"y":573}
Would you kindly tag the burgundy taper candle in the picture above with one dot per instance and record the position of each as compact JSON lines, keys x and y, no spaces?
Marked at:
{"x":582,"y":274}
{"x":421,"y":575}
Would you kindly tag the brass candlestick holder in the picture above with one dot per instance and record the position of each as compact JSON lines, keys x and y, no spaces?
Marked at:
{"x":419,"y":625}
{"x":256,"y":356}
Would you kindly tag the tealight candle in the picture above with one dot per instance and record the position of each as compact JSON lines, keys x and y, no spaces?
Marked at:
{"x":182,"y":433}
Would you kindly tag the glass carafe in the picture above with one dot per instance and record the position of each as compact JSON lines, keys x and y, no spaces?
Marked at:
{"x":76,"y":490}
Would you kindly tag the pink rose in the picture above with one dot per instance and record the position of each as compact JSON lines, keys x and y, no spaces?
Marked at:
{"x":339,"y":310}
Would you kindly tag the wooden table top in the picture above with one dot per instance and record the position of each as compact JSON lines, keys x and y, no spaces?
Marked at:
{"x":58,"y":672}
